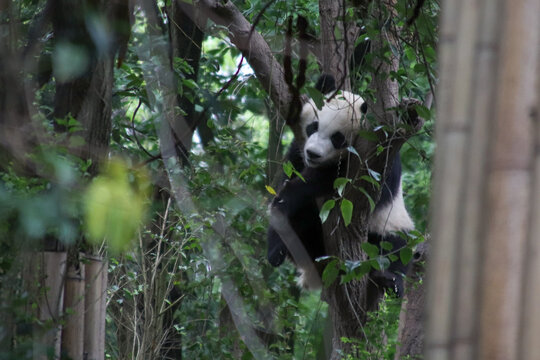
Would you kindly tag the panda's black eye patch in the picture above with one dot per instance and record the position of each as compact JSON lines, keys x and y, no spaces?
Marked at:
{"x":338,"y":140}
{"x":363,"y":108}
{"x":312,"y":128}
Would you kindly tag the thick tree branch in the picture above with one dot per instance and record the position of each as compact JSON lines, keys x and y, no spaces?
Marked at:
{"x":253,"y":47}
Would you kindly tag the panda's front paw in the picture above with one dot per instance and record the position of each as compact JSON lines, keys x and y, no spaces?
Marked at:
{"x":408,"y":106}
{"x":278,"y":203}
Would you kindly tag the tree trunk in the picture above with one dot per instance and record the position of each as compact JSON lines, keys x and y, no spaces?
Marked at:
{"x":16,"y":131}
{"x":85,"y":92}
{"x":349,"y":303}
{"x":479,"y":299}
{"x":338,"y":36}
{"x":274,"y":155}
{"x":411,"y":332}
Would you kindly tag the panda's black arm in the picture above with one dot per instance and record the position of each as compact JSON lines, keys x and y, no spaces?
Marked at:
{"x":296,"y":193}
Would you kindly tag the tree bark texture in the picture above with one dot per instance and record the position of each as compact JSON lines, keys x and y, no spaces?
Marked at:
{"x":338,"y":35}
{"x":479,"y":299}
{"x":411,"y":334}
{"x":85,"y":93}
{"x":16,"y":131}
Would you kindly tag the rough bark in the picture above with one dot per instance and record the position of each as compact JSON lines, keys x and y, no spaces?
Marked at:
{"x":338,"y":35}
{"x":86,"y":93}
{"x":411,"y":320}
{"x":274,"y":154}
{"x":16,"y":131}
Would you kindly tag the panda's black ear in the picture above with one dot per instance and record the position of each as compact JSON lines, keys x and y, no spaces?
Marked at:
{"x":326,"y":84}
{"x":363,"y":108}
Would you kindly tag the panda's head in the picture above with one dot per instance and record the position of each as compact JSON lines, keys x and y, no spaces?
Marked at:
{"x":331,"y":129}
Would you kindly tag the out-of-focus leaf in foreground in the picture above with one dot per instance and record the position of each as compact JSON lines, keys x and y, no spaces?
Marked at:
{"x":115,"y":205}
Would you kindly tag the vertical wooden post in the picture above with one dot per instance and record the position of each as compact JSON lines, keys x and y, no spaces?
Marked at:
{"x":95,"y":301}
{"x":482,"y":191}
{"x":530,"y":321}
{"x":73,"y":330}
{"x":51,"y":268}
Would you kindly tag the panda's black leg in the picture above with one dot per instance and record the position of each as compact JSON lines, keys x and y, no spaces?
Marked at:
{"x":296,"y":193}
{"x":277,"y":251}
{"x":392,"y":277}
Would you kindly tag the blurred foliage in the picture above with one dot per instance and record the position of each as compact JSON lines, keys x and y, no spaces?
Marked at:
{"x":198,"y":253}
{"x":114,"y":207}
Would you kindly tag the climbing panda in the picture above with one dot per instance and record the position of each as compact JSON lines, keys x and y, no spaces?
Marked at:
{"x":329,"y":131}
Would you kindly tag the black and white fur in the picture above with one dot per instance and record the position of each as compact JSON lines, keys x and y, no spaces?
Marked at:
{"x":329,"y":131}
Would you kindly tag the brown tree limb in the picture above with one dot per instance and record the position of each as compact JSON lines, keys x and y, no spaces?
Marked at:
{"x":254,"y":48}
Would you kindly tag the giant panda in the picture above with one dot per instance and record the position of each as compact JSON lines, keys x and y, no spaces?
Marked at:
{"x":329,"y":131}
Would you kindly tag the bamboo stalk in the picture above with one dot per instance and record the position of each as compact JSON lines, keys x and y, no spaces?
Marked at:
{"x":51,"y":267}
{"x":73,"y":330}
{"x":95,"y":300}
{"x":489,"y":51}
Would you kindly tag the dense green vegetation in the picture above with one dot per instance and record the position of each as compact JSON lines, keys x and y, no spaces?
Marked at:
{"x":185,"y":236}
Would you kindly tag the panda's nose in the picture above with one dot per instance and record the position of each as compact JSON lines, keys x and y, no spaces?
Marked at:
{"x":312,"y":155}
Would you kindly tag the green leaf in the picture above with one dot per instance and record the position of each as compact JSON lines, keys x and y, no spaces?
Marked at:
{"x":423,"y":112}
{"x":299,"y":175}
{"x":325,"y":209}
{"x":330,"y":273}
{"x":405,"y":255}
{"x":340,"y":183}
{"x":368,"y":135}
{"x":288,"y":168}
{"x":371,"y":180}
{"x":115,"y":208}
{"x":370,"y":199}
{"x":346,"y":211}
{"x":371,"y":250}
{"x":316,"y":96}
{"x":385,"y":245}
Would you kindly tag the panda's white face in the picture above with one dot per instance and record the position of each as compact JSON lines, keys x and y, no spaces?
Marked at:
{"x":332,"y":129}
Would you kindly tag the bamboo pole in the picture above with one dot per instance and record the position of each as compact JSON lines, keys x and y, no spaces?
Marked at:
{"x":95,"y":300}
{"x":482,"y":197}
{"x":530,"y":325}
{"x":51,"y":267}
{"x":73,"y":330}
